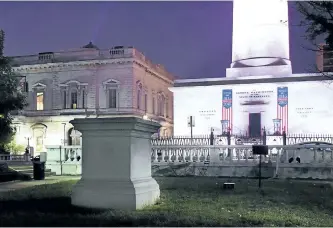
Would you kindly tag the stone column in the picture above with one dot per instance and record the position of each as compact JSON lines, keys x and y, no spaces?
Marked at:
{"x":116,"y":163}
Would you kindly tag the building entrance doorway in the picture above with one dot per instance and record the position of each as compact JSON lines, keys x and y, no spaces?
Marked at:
{"x":255,"y":124}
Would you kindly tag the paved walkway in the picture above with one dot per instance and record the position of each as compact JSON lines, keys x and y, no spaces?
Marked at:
{"x":15,"y":185}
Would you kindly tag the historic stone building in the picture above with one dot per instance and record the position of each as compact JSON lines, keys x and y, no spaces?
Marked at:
{"x":88,"y":82}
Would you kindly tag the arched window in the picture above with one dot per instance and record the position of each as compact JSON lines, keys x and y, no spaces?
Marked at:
{"x":74,"y":137}
{"x":38,"y":136}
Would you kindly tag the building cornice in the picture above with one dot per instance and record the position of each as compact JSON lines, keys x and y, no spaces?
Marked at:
{"x":72,"y":65}
{"x":251,"y":80}
{"x":151,"y":71}
{"x":46,"y":67}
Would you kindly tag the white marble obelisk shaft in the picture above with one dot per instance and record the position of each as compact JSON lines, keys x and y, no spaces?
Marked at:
{"x":260,"y":37}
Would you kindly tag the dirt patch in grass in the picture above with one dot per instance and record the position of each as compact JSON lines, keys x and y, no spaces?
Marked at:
{"x":185,"y":201}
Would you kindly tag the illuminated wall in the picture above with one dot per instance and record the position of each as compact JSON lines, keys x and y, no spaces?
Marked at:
{"x":306,"y":107}
{"x":42,"y":132}
{"x":260,"y":31}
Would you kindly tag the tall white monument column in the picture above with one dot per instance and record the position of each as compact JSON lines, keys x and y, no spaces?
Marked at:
{"x":116,"y":163}
{"x":260,"y":38}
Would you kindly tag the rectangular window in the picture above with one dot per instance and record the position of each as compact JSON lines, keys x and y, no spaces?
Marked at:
{"x":74,"y":100}
{"x":64,"y":99}
{"x":159,"y":107}
{"x":112,"y":98}
{"x":40,"y":101}
{"x":146,"y":99}
{"x":138,"y":99}
{"x":83,"y":99}
{"x":163,"y":107}
{"x":154,"y":105}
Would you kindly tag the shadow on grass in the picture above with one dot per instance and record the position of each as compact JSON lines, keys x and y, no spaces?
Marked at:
{"x":59,"y":212}
{"x":59,"y":205}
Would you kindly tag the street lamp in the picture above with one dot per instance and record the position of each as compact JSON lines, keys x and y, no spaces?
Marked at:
{"x":28,"y":137}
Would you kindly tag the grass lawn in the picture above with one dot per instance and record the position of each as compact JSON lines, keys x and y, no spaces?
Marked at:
{"x":185,"y":201}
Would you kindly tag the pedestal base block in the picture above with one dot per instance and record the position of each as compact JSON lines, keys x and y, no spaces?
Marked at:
{"x":107,"y":194}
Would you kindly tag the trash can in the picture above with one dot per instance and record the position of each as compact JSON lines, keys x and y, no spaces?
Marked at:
{"x":39,"y":169}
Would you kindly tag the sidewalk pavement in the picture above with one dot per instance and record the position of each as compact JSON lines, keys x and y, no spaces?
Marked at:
{"x":15,"y":185}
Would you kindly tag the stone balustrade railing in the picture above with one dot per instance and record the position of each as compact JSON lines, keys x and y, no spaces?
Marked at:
{"x":64,"y":160}
{"x":241,"y":153}
{"x":64,"y":154}
{"x":183,"y":141}
{"x":12,"y":157}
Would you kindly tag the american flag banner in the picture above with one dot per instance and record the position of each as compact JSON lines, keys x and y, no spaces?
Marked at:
{"x":282,"y":107}
{"x":227,"y":107}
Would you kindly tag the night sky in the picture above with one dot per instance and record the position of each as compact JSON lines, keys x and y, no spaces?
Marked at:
{"x":191,"y":39}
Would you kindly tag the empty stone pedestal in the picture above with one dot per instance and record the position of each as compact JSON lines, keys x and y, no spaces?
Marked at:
{"x":116,"y":163}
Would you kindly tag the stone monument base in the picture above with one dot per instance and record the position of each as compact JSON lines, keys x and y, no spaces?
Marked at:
{"x":116,"y":163}
{"x":125,"y":195}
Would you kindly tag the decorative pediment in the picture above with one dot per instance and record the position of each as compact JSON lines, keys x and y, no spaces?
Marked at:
{"x":74,"y":82}
{"x":110,"y":83}
{"x":38,"y":86}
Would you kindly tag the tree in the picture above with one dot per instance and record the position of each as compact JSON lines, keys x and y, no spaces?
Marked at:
{"x":318,"y":19}
{"x":11,"y":98}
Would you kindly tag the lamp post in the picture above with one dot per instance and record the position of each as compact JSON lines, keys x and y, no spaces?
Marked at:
{"x":64,"y":133}
{"x":28,"y":138}
{"x":28,"y":147}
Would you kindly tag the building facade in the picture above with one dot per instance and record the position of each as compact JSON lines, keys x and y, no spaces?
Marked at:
{"x":297,"y":104}
{"x":259,"y":90}
{"x":88,"y":82}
